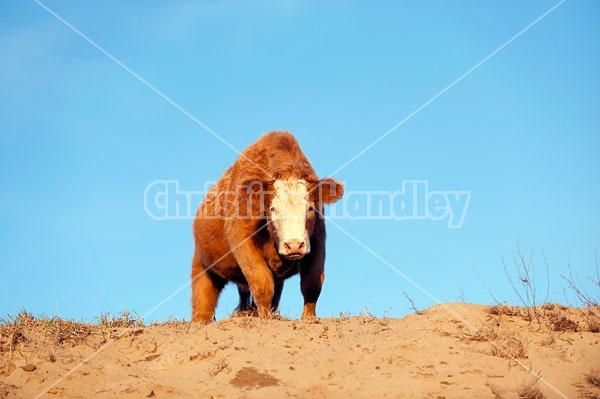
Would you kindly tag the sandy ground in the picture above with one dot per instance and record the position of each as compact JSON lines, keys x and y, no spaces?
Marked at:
{"x":442,"y":353}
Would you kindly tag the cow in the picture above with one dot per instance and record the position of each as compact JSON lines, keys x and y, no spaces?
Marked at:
{"x":259,"y":224}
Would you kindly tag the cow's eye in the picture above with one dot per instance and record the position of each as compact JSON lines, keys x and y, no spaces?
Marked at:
{"x":272,"y":209}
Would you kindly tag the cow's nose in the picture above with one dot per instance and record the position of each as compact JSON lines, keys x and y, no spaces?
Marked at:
{"x":294,"y":247}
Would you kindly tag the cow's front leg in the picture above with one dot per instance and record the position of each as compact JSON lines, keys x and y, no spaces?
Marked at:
{"x":262,"y":287}
{"x":257,"y":273}
{"x":311,"y":281}
{"x":248,"y":306}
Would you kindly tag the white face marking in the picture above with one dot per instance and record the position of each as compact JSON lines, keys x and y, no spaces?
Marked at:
{"x":289,"y":208}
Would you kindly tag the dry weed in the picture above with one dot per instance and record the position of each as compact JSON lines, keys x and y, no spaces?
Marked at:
{"x":124,"y":319}
{"x":592,"y":318}
{"x":504,"y":310}
{"x":485,"y":333}
{"x":530,"y":391}
{"x":412,"y":304}
{"x":109,"y":324}
{"x":219,"y":366}
{"x":593,"y":377}
{"x":13,"y":330}
{"x":65,"y":331}
{"x":509,"y":347}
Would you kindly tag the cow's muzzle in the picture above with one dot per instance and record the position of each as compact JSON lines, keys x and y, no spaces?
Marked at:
{"x":294,"y":249}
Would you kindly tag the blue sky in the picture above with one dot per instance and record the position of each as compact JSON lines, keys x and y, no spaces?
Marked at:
{"x":82,"y":138}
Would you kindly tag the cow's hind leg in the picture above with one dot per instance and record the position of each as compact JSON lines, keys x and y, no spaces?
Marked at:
{"x":246,"y":305}
{"x":205,"y":294}
{"x":311,"y":281}
{"x":245,"y":299}
{"x":276,"y":296}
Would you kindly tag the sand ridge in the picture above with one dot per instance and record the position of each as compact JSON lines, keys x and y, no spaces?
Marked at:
{"x":429,"y":355}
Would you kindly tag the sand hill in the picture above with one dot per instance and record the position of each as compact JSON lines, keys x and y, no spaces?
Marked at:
{"x":448,"y":351}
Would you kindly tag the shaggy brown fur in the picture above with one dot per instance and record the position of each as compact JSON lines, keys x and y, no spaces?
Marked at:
{"x":235,"y":241}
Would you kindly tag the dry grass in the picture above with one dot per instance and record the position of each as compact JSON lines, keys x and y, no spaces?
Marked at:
{"x":414,"y":308}
{"x":509,"y":347}
{"x":522,"y":279}
{"x":174,"y":324}
{"x":123,"y":319}
{"x":530,"y":391}
{"x":562,"y":323}
{"x":525,"y":287}
{"x":593,"y":377}
{"x":504,"y":310}
{"x":589,"y":300}
{"x":485,"y":333}
{"x":63,"y":332}
{"x":593,"y":318}
{"x":109,"y":324}
{"x":344,"y":316}
{"x":504,"y":343}
{"x":17,"y":331}
{"x":557,"y":318}
{"x":575,"y":284}
{"x":367,"y":316}
{"x":13,"y":330}
{"x":218,"y":367}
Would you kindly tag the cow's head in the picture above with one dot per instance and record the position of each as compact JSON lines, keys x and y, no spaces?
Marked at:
{"x":293,"y":207}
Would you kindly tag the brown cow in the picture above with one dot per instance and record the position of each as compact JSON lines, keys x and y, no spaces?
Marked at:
{"x":261,"y":223}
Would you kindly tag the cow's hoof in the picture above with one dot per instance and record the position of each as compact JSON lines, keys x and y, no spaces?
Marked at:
{"x":310,"y":318}
{"x":245,"y":313}
{"x":203,"y":320}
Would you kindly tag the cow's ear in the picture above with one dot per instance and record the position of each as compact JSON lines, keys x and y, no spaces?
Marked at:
{"x":330,"y":190}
